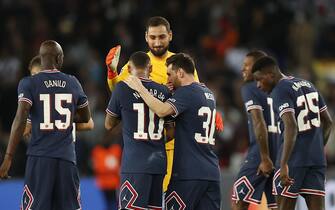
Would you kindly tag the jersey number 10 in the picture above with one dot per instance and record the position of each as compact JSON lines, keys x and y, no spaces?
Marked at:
{"x":150,"y":134}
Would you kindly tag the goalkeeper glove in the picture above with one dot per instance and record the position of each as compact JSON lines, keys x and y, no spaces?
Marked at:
{"x":112,"y":59}
{"x":218,"y":122}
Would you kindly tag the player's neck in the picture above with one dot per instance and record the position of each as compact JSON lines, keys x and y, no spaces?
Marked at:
{"x":187,"y":81}
{"x":160,"y":57}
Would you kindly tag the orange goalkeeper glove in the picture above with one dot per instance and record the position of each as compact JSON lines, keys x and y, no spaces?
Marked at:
{"x":112,"y":59}
{"x":218,"y":122}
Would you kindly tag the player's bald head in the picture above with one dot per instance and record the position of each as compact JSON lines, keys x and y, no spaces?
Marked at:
{"x":50,"y":47}
{"x":51,"y":54}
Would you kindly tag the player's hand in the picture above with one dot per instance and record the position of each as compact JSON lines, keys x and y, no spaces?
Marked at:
{"x":169,"y":85}
{"x":134,"y":83}
{"x":5,"y":166}
{"x":284,"y":176}
{"x":112,"y":60}
{"x":218,"y":122}
{"x":265,"y":168}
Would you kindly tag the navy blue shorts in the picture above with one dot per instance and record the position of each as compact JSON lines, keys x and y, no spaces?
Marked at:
{"x":193,"y":194}
{"x":249,"y":187}
{"x":50,"y":184}
{"x":307,"y":180}
{"x":141,"y":191}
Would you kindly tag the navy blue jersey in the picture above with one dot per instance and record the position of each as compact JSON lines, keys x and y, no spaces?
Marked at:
{"x":254,"y":98}
{"x":54,"y":97}
{"x":303,"y":99}
{"x":142,"y":130}
{"x":194,"y":158}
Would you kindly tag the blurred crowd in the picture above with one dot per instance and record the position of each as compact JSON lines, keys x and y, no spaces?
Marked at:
{"x":217,"y":33}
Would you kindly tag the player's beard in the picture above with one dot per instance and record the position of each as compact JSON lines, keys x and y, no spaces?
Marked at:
{"x":159,"y":52}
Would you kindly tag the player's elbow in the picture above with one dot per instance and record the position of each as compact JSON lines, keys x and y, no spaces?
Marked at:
{"x":108,"y":126}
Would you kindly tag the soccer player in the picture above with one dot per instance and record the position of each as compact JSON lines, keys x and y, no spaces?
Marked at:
{"x":255,"y":176}
{"x":34,"y":68}
{"x":195,"y":175}
{"x":54,"y":100}
{"x":143,"y":164}
{"x":304,"y":126}
{"x":158,"y":36}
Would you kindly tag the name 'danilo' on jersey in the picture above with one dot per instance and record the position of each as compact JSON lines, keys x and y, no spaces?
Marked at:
{"x":55,"y":83}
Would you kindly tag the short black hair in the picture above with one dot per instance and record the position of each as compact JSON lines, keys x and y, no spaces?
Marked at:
{"x":35,"y":61}
{"x":256,"y":54}
{"x":263,"y":62}
{"x":157,"y":21}
{"x":181,"y":60}
{"x":140,"y":59}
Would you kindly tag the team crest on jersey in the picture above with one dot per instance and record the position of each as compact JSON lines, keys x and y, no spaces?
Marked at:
{"x":174,"y":202}
{"x":27,"y":199}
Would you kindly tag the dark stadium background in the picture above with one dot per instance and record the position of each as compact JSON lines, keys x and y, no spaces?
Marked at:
{"x":299,"y":33}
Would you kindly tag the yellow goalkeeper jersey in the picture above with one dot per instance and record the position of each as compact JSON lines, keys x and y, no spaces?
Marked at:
{"x":158,"y":74}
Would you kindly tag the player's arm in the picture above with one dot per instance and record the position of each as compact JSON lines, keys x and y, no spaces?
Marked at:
{"x":162,"y":109}
{"x":261,"y":134}
{"x":82,"y":115}
{"x":85,"y":126}
{"x":27,"y":130}
{"x":16,"y":133}
{"x":111,"y":122}
{"x":290,"y":135}
{"x":326,"y":123}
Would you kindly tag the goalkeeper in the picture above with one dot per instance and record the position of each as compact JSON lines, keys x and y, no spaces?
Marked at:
{"x":158,"y":36}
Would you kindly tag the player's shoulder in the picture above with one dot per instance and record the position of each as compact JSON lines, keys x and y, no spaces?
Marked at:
{"x":250,"y":86}
{"x":26,"y":81}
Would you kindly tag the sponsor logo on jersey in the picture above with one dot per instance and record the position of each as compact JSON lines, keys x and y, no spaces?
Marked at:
{"x":283,"y":106}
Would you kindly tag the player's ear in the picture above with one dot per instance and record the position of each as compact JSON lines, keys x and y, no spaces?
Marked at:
{"x":170,"y":35}
{"x":150,"y":69}
{"x":129,"y":69}
{"x":146,"y":36}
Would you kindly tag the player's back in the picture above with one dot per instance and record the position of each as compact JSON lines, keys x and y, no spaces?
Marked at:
{"x":143,"y":131}
{"x":302,"y":98}
{"x":55,"y":97}
{"x":194,"y":157}
{"x":254,"y":98}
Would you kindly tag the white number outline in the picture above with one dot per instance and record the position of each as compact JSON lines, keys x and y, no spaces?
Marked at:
{"x":140,"y":134}
{"x":59,"y":98}
{"x":272,"y":128}
{"x":307,"y":102}
{"x":208,"y":125}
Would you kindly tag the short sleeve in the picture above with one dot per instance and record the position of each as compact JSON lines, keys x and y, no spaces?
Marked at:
{"x":250,"y":98}
{"x":24,"y":91}
{"x":82,"y":98}
{"x":178,"y":101}
{"x":114,"y":106}
{"x":282,"y":101}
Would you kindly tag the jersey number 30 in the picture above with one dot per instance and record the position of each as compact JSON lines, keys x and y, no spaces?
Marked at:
{"x":208,"y":125}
